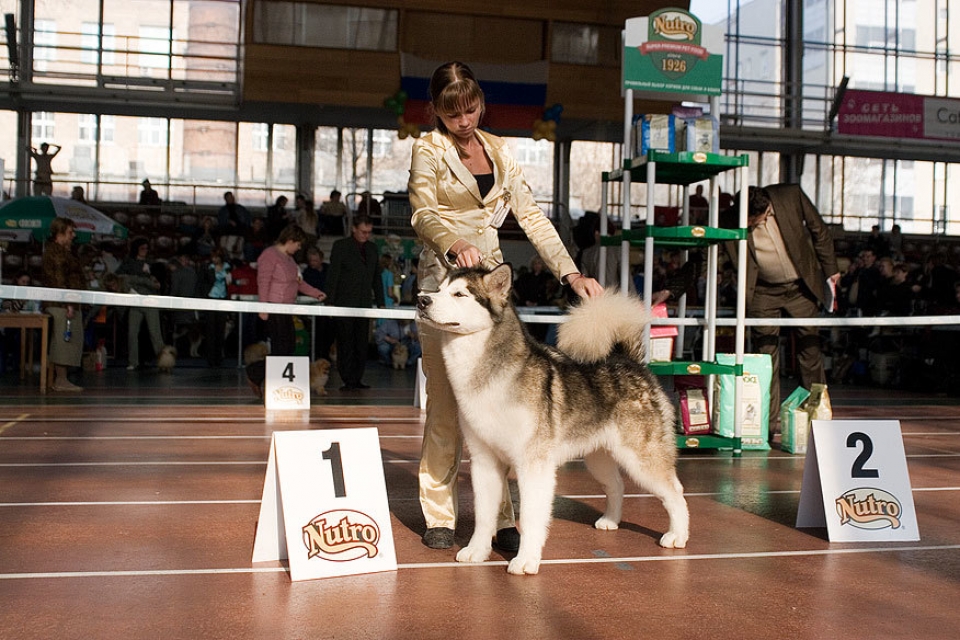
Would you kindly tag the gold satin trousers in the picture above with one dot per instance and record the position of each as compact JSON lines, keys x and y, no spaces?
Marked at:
{"x":443,"y":443}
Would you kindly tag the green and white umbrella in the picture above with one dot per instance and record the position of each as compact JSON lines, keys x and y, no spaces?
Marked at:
{"x":31,"y":216}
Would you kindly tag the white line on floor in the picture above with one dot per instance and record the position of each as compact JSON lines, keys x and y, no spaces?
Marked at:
{"x":499,"y":563}
{"x":585,"y":496}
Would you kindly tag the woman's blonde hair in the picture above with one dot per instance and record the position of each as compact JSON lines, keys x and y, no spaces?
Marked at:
{"x":453,"y":88}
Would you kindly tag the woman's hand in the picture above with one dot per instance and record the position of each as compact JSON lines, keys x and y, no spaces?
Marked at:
{"x":584,"y":286}
{"x":321,"y":296}
{"x":264,"y":316}
{"x":467,"y":254}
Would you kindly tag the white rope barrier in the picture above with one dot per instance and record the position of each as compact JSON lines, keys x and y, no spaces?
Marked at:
{"x":309,"y":307}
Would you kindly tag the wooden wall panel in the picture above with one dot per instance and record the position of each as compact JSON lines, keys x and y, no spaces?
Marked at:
{"x":478,"y":38}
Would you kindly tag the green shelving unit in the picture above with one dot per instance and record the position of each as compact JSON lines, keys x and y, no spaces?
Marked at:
{"x":683,"y":169}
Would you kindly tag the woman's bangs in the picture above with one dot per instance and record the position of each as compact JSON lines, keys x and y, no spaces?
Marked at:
{"x":460,"y":97}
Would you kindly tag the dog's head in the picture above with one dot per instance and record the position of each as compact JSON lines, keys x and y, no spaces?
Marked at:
{"x":169,"y":350}
{"x":468,"y":300}
{"x":320,"y":367}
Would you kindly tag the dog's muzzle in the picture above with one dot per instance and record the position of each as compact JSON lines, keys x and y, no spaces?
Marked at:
{"x":423,"y":302}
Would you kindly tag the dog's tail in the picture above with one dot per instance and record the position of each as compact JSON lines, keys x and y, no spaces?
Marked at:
{"x":598,"y":326}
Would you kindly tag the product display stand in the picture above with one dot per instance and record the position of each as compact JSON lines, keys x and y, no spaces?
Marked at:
{"x":683,"y":169}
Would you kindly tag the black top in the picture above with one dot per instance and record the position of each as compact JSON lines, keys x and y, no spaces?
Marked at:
{"x":484,"y":183}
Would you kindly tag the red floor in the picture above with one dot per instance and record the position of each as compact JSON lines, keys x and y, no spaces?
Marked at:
{"x":138,"y":521}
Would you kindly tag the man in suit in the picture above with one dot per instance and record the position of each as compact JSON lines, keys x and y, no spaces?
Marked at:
{"x":790,"y":256}
{"x":354,"y":280}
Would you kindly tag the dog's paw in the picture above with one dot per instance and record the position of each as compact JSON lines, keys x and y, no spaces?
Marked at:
{"x":606,"y":524}
{"x":671,"y":540}
{"x":524,"y":565}
{"x":474,"y":553}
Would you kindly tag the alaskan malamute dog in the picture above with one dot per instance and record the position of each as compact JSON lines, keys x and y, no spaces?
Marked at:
{"x":530,"y":407}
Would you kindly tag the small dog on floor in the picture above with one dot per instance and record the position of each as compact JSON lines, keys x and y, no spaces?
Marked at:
{"x":167,"y":359}
{"x":530,"y":407}
{"x":255,"y":352}
{"x":399,"y":356}
{"x":194,"y":334}
{"x":319,"y":374}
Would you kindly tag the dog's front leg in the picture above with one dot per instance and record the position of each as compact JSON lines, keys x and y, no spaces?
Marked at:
{"x":488,"y":477}
{"x":537,"y":483}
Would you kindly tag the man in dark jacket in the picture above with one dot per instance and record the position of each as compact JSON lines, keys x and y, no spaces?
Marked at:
{"x":353,"y":280}
{"x":790,"y":256}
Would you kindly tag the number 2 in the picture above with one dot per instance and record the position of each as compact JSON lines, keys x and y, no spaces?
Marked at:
{"x":336,"y":469}
{"x":858,"y":470}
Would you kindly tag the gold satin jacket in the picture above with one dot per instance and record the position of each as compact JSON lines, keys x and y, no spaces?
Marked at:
{"x":447,"y":206}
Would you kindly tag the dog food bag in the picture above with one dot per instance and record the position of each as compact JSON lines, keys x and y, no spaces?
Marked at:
{"x":694,"y":416}
{"x":818,"y":404}
{"x":755,"y":400}
{"x":794,"y":422}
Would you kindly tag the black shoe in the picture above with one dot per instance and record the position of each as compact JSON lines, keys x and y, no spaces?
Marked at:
{"x":347,"y":387}
{"x":360,"y":385}
{"x":438,"y":538}
{"x":507,"y":539}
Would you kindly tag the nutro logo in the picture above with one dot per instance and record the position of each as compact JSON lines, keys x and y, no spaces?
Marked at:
{"x":341,"y":536}
{"x":291,"y":395}
{"x":674,"y":25}
{"x":868,"y":508}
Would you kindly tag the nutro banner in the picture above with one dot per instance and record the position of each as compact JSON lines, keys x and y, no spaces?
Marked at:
{"x":671,"y":51}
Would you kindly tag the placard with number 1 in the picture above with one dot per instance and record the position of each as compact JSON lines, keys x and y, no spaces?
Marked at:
{"x":324,"y":504}
{"x":855,"y":482}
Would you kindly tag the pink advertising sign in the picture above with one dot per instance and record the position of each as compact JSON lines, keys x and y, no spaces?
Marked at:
{"x":899,"y":115}
{"x":877,"y":113}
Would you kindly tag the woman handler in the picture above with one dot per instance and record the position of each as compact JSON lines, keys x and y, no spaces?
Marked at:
{"x":462,"y":184}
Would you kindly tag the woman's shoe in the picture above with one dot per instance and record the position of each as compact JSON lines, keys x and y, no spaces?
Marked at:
{"x":438,"y":538}
{"x":507,"y":539}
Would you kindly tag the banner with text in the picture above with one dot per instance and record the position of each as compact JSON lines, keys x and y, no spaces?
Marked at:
{"x":899,"y":115}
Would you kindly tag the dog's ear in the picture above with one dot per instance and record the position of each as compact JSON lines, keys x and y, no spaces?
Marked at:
{"x":500,"y":280}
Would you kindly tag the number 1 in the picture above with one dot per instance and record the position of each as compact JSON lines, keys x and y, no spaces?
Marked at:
{"x":336,"y":469}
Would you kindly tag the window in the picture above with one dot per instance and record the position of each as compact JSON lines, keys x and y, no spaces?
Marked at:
{"x":87,"y":128}
{"x":383,"y":142}
{"x":44,"y":43}
{"x":575,"y":43}
{"x":154,"y":47}
{"x":533,"y":152}
{"x":42,"y":129}
{"x":260,"y":132}
{"x":90,"y":43}
{"x":152,"y":132}
{"x":331,"y":26}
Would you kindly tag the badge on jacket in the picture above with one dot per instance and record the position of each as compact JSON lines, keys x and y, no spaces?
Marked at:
{"x":501,"y":211}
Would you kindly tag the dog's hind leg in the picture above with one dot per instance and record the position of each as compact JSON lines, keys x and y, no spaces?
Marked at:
{"x":604,"y":468}
{"x":488,"y":476}
{"x":537,"y":483}
{"x":660,"y":479}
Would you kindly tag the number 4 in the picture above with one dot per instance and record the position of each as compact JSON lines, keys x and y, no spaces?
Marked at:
{"x":288,"y":372}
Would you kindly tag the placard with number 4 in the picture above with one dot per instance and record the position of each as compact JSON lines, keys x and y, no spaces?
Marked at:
{"x":855,"y":482}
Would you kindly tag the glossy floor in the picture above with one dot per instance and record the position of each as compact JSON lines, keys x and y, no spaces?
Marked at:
{"x":130,"y":510}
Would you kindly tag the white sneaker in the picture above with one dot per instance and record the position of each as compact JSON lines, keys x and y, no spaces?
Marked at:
{"x":131,"y":367}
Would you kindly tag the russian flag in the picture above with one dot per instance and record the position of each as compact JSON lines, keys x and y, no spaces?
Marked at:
{"x":515,"y":93}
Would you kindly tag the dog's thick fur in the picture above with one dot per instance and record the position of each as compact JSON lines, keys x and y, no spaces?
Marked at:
{"x":531,"y":408}
{"x":319,"y":375}
{"x":255,"y":352}
{"x":167,"y":359}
